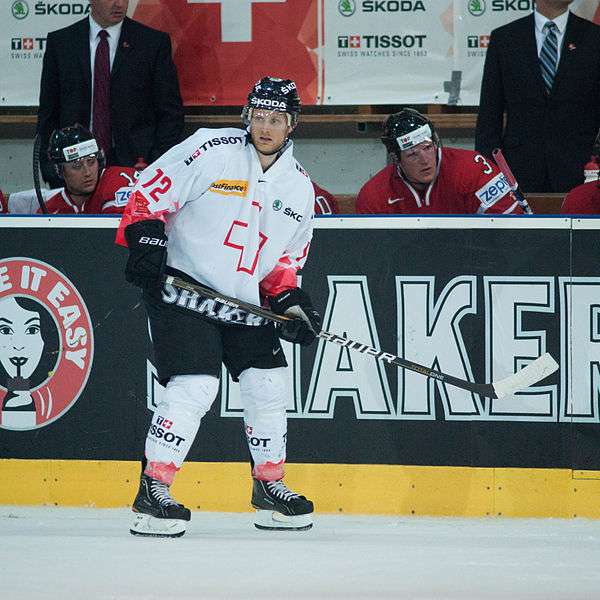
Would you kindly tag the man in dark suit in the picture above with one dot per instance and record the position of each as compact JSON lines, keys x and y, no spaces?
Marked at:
{"x":143,"y":113}
{"x":551,"y":116}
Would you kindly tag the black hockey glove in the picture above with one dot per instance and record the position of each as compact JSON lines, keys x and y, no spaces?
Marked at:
{"x":147,"y":253}
{"x":305,"y":321}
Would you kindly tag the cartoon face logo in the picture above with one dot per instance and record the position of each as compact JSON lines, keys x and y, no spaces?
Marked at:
{"x":21,"y":341}
{"x":46,"y":344}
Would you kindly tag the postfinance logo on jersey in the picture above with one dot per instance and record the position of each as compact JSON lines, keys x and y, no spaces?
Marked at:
{"x":230,"y":187}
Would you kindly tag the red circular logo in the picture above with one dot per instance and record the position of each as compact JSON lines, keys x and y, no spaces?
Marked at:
{"x":46,"y":344}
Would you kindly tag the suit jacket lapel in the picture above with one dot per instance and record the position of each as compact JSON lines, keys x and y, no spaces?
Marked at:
{"x":530,"y":53}
{"x":124,"y":47}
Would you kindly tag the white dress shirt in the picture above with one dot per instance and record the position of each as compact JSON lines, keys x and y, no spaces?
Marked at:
{"x":540,"y":34}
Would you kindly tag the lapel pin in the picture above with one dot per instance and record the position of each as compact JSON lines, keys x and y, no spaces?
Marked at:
{"x":571,"y":46}
{"x":125,"y":45}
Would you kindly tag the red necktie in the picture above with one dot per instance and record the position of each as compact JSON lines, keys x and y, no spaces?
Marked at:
{"x":101,"y":105}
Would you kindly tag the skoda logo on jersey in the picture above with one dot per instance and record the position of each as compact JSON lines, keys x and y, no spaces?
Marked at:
{"x":46,"y":344}
{"x":476,"y":7}
{"x":277,"y":205}
{"x":20,"y":9}
{"x":346,"y":8}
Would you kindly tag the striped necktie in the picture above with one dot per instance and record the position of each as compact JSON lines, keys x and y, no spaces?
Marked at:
{"x":549,"y":54}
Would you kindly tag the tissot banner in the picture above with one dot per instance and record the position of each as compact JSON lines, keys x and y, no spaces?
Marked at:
{"x":476,"y":298}
{"x":337,"y":51}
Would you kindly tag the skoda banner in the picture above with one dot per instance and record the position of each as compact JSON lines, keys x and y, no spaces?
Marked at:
{"x":337,"y":51}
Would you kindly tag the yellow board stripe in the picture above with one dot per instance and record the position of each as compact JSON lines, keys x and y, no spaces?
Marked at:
{"x":353,"y":489}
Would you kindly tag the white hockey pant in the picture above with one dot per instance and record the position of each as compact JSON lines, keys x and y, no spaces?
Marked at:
{"x":263,"y":394}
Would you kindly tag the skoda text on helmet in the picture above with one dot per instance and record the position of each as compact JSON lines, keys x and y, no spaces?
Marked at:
{"x":73,"y":143}
{"x":406,"y":129}
{"x":273,"y":93}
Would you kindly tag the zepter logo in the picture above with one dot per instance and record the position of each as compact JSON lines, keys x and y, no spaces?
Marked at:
{"x":46,"y":344}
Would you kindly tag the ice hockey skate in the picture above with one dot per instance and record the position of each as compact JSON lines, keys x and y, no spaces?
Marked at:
{"x":155,"y":513}
{"x":279,"y":508}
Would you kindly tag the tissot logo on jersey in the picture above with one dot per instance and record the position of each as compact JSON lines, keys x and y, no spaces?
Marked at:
{"x":230,"y":187}
{"x":493,"y":190}
{"x":220,"y":141}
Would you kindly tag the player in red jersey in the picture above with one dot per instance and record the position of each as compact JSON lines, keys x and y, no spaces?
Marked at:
{"x":425,"y":178}
{"x":583,"y":200}
{"x":89,"y":187}
{"x":325,"y":203}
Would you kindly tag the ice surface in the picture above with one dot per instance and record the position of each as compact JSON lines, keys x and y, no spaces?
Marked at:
{"x":88,"y":554}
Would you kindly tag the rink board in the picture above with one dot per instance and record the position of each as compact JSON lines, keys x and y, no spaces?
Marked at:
{"x":345,"y":489}
{"x":362,"y":438}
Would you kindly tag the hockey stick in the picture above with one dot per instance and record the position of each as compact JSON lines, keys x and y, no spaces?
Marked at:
{"x":36,"y":173}
{"x":512,"y":181}
{"x":536,"y":371}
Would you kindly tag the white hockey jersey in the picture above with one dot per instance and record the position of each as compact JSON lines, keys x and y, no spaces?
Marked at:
{"x":231,"y":226}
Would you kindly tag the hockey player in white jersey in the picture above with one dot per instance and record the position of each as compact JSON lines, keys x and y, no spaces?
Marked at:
{"x":233,"y":210}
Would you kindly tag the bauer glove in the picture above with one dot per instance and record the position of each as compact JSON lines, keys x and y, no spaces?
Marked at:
{"x":147,"y":253}
{"x":305,"y":322}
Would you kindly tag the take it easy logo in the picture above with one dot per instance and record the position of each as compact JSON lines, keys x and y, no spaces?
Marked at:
{"x":46,"y":344}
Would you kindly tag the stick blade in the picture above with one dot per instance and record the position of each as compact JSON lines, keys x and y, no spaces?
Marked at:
{"x":536,"y":371}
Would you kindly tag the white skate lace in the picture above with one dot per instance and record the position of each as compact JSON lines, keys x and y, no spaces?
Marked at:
{"x":279,"y":489}
{"x":160,"y":491}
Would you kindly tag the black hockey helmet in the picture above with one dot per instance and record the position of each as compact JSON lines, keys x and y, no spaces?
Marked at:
{"x":273,"y":93}
{"x":407,"y":128}
{"x":72,"y":143}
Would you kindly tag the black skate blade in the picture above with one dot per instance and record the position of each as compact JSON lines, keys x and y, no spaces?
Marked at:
{"x":264,"y":528}
{"x":157,"y":535}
